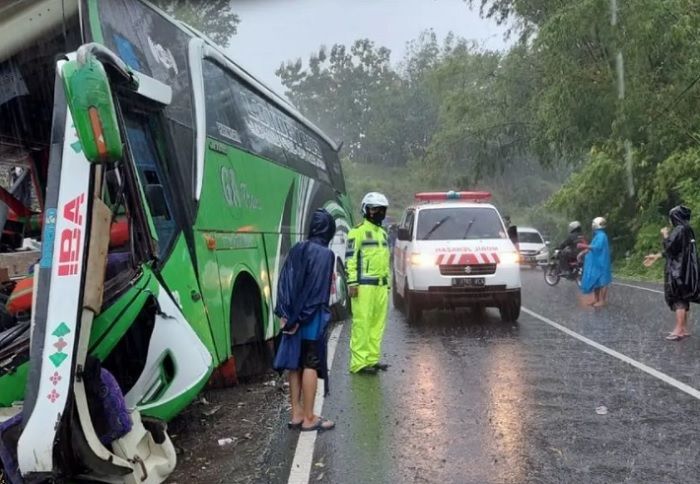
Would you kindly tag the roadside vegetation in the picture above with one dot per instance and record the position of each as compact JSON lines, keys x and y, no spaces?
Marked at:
{"x":588,"y":112}
{"x":592,"y":109}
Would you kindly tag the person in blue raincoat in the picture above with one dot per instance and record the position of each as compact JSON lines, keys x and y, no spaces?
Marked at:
{"x":303,"y":294}
{"x":597,"y":270}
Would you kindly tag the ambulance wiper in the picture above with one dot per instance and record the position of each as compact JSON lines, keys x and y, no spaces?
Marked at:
{"x":469,"y":227}
{"x":436,"y":226}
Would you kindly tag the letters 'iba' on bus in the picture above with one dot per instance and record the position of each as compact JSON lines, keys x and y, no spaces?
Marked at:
{"x":150,"y":189}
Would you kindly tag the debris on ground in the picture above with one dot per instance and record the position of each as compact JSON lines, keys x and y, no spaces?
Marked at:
{"x":206,"y":459}
{"x":226,"y":441}
{"x":212,"y":411}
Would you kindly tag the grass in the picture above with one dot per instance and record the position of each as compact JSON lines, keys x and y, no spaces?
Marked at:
{"x":632,"y":268}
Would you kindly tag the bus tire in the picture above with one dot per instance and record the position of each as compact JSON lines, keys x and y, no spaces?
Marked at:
{"x":248,"y":347}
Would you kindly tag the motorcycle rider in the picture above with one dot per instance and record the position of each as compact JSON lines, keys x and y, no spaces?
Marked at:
{"x":369,"y":274}
{"x":569,"y":250}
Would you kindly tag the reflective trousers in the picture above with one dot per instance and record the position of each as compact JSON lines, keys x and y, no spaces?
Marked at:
{"x":369,"y":313}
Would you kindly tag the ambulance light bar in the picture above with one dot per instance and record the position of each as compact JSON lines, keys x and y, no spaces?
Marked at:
{"x":453,"y":195}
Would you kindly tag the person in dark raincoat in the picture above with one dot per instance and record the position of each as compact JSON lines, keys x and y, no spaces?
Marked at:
{"x":681,"y":272}
{"x":303,"y":294}
{"x":597,"y":269}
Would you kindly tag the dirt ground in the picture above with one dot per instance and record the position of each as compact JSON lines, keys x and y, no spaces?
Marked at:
{"x":225,"y":436}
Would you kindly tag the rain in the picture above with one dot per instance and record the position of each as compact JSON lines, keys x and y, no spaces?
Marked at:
{"x":384,"y":241}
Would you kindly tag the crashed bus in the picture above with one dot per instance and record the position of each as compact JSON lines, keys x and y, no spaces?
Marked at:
{"x":150,"y":189}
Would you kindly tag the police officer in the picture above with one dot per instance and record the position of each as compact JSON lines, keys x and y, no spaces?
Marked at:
{"x":368,"y":281}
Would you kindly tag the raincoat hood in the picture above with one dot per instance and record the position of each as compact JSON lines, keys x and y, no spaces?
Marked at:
{"x":322,"y":229}
{"x":304,"y":290}
{"x":679,"y":215}
{"x":682,"y":275}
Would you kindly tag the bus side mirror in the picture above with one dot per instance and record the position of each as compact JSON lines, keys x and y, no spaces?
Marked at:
{"x":89,"y":98}
{"x":403,"y":234}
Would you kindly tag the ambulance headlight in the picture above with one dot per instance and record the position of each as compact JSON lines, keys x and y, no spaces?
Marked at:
{"x":510,"y":258}
{"x":421,"y":260}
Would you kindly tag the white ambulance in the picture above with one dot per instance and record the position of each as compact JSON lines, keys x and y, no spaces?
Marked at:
{"x":453,"y":249}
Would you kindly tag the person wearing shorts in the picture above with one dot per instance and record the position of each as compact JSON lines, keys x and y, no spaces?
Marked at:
{"x":303,"y":294}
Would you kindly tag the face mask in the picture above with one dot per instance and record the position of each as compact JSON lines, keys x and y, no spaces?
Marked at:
{"x":377,"y":218}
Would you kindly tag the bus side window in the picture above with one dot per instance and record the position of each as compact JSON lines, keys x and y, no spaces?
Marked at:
{"x":223,"y":122}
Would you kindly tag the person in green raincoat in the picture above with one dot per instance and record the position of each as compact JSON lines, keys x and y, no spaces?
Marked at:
{"x":368,"y":275}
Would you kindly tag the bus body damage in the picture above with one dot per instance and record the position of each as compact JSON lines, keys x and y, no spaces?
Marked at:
{"x":142,"y":229}
{"x":88,"y":388}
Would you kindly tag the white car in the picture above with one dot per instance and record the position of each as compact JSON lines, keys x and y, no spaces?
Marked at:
{"x":533,"y":248}
{"x":453,"y":249}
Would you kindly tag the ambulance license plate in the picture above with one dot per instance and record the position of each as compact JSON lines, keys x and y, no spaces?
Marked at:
{"x":468,"y":281}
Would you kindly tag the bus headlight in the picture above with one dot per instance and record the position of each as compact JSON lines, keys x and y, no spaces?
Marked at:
{"x":421,"y":260}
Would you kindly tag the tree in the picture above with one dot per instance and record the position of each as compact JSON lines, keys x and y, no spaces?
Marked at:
{"x":351,"y":92}
{"x":215,"y":18}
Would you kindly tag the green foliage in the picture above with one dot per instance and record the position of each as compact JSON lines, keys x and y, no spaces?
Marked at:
{"x":352,"y":93}
{"x":398,"y":184}
{"x":608,"y":108}
{"x":215,"y":18}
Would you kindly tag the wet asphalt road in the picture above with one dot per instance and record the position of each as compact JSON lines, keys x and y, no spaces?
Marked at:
{"x":469,"y":399}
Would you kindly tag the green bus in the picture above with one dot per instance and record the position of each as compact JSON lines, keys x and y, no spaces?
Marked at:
{"x":166,"y":187}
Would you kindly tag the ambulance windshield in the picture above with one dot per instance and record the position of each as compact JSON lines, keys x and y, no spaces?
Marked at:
{"x":459,"y":223}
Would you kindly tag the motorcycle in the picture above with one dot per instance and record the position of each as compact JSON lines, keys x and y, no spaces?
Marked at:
{"x":553,"y":273}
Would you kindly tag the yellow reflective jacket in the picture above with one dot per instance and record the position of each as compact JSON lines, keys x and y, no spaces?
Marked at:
{"x":367,"y":256}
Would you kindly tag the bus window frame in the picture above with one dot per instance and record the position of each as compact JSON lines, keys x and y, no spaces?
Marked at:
{"x":201,"y":51}
{"x":134,"y":103}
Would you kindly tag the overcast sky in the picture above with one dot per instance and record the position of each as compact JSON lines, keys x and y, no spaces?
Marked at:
{"x":274,"y":31}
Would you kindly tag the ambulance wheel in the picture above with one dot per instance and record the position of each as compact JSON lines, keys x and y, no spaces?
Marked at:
{"x":396,"y":297}
{"x":413,"y":310}
{"x":510,"y":309}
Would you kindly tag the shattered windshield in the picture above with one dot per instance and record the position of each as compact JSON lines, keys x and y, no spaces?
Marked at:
{"x":27,"y":81}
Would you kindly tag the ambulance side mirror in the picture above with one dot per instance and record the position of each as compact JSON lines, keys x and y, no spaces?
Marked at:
{"x":513,"y":234}
{"x":403,"y":234}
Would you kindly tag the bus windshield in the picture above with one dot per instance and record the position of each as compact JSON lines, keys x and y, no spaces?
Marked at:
{"x":27,"y":75}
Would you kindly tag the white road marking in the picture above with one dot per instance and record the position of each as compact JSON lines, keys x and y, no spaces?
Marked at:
{"x":641,"y":366}
{"x":304,"y":454}
{"x":637,"y":287}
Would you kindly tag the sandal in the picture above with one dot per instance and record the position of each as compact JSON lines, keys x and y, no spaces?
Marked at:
{"x":674,"y":337}
{"x":294,"y":425}
{"x":321,"y":425}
